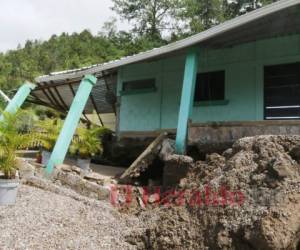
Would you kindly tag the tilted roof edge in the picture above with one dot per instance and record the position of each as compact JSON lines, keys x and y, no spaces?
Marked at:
{"x":181,"y":44}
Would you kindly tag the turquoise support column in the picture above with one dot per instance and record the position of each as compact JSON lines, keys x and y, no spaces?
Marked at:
{"x":19,"y":98}
{"x":187,"y":100}
{"x":63,"y":142}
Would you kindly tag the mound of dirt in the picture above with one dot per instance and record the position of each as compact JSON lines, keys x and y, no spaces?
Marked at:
{"x":246,"y":198}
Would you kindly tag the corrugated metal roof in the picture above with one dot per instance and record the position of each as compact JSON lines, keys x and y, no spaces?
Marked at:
{"x":280,"y":18}
{"x":60,"y":96}
{"x":206,"y":36}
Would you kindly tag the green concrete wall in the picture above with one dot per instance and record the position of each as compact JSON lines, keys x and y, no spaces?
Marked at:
{"x":243,"y":65}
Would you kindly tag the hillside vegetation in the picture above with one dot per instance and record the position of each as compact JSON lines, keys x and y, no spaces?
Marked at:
{"x":154,"y":23}
{"x":66,"y":51}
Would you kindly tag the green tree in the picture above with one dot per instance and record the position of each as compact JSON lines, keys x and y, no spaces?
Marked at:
{"x":149,"y":17}
{"x":201,"y":14}
{"x":67,"y":51}
{"x":239,"y":7}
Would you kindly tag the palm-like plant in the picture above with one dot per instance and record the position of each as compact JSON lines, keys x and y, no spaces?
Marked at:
{"x":48,"y":131}
{"x":87,"y":142}
{"x":13,"y":138}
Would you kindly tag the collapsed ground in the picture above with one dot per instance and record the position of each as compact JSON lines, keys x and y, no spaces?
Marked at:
{"x":263,"y":172}
{"x":264,"y":169}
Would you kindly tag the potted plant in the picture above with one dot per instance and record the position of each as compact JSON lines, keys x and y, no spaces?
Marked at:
{"x":87,"y":143}
{"x":12,"y":138}
{"x":48,"y":130}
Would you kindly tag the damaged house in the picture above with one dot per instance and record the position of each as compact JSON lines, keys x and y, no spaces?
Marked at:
{"x":237,"y":79}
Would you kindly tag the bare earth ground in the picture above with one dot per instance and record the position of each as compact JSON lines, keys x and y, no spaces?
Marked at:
{"x":45,"y":220}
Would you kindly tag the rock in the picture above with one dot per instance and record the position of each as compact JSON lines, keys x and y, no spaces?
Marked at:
{"x":76,"y":169}
{"x":93,"y":190}
{"x":26,"y":170}
{"x":282,"y":170}
{"x":80,"y":185}
{"x":94,"y":177}
{"x":228,"y":153}
{"x":68,"y":168}
{"x":167,"y":149}
{"x":64,"y":167}
{"x":154,"y":198}
{"x":216,"y":160}
{"x":183,"y":183}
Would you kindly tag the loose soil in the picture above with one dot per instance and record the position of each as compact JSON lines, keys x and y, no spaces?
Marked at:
{"x":246,"y":198}
{"x":263,"y":172}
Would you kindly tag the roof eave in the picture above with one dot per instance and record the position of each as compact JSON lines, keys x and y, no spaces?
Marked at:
{"x":179,"y":45}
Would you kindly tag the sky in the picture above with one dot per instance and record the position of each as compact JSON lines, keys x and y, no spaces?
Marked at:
{"x":22,"y":20}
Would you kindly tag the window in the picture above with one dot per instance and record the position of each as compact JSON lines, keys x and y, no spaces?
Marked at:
{"x":282,"y":91}
{"x":139,"y":85}
{"x":210,"y":86}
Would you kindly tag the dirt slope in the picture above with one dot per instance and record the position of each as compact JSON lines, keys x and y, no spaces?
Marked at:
{"x":262,"y":172}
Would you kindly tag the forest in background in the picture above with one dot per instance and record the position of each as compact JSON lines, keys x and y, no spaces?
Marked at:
{"x":154,"y":23}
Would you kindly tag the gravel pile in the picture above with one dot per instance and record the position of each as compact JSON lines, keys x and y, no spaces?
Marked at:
{"x":45,"y":220}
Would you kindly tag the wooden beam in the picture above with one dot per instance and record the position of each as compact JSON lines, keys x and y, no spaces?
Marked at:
{"x":72,"y":90}
{"x":35,"y":96}
{"x":46,"y":105}
{"x":95,"y":107}
{"x":40,"y":102}
{"x":48,"y":85}
{"x":66,"y":106}
{"x":54,"y":98}
{"x":46,"y":94}
{"x":61,"y":99}
{"x":108,"y":89}
{"x":145,"y":159}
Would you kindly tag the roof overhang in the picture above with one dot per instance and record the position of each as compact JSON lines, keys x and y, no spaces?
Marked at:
{"x":278,"y":19}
